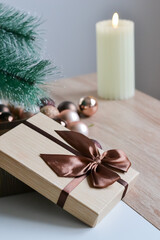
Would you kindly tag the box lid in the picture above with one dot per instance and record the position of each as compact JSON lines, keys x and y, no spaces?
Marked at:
{"x":20,"y":150}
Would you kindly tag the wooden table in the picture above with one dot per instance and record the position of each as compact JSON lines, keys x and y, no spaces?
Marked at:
{"x":132,"y":125}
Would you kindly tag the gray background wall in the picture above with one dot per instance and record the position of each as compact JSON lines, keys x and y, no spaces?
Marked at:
{"x":70,"y":34}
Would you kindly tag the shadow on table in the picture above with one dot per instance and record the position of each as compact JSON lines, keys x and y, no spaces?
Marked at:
{"x":36,"y":208}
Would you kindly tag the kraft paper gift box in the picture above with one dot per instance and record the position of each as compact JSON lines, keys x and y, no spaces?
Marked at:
{"x":20,"y":150}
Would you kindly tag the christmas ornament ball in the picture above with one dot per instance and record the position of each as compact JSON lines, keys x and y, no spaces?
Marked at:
{"x":69,"y":116}
{"x":16,"y":111}
{"x":3,"y":108}
{"x":60,"y":121}
{"x":6,"y":117}
{"x":46,"y":101}
{"x":50,"y":111}
{"x":67,"y":105}
{"x":88,"y":105}
{"x":79,"y":127}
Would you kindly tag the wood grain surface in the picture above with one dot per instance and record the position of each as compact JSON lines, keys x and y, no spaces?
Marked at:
{"x":132,"y":125}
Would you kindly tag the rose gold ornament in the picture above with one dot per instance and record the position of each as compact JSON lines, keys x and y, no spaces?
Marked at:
{"x":78,"y":127}
{"x":69,"y":116}
{"x":88,"y":105}
{"x":50,"y":111}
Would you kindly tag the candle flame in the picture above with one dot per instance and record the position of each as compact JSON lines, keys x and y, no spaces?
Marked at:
{"x":115,"y":20}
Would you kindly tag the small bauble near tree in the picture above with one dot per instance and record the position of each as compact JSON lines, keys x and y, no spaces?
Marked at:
{"x":50,"y":111}
{"x":46,"y":101}
{"x":67,"y":105}
{"x":6,"y":117}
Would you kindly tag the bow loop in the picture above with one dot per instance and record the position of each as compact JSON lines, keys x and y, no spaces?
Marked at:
{"x":83,"y":144}
{"x":116,"y":159}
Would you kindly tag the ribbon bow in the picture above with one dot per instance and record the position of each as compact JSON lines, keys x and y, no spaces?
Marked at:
{"x":88,"y":161}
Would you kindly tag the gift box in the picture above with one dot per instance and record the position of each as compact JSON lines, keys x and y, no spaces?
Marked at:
{"x":66,"y":167}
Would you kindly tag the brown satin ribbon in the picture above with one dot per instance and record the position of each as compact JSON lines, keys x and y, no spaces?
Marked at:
{"x":88,"y":161}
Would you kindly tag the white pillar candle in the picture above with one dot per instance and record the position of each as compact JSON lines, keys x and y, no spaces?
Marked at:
{"x":115,"y":58}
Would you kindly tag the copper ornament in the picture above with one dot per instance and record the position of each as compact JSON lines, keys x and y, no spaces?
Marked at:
{"x":88,"y":105}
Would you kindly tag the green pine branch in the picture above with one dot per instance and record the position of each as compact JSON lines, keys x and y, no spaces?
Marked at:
{"x":21,"y":79}
{"x":18,"y":29}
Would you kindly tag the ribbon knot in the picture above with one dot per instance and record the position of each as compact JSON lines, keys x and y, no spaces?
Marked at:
{"x":98,"y":160}
{"x":88,"y":161}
